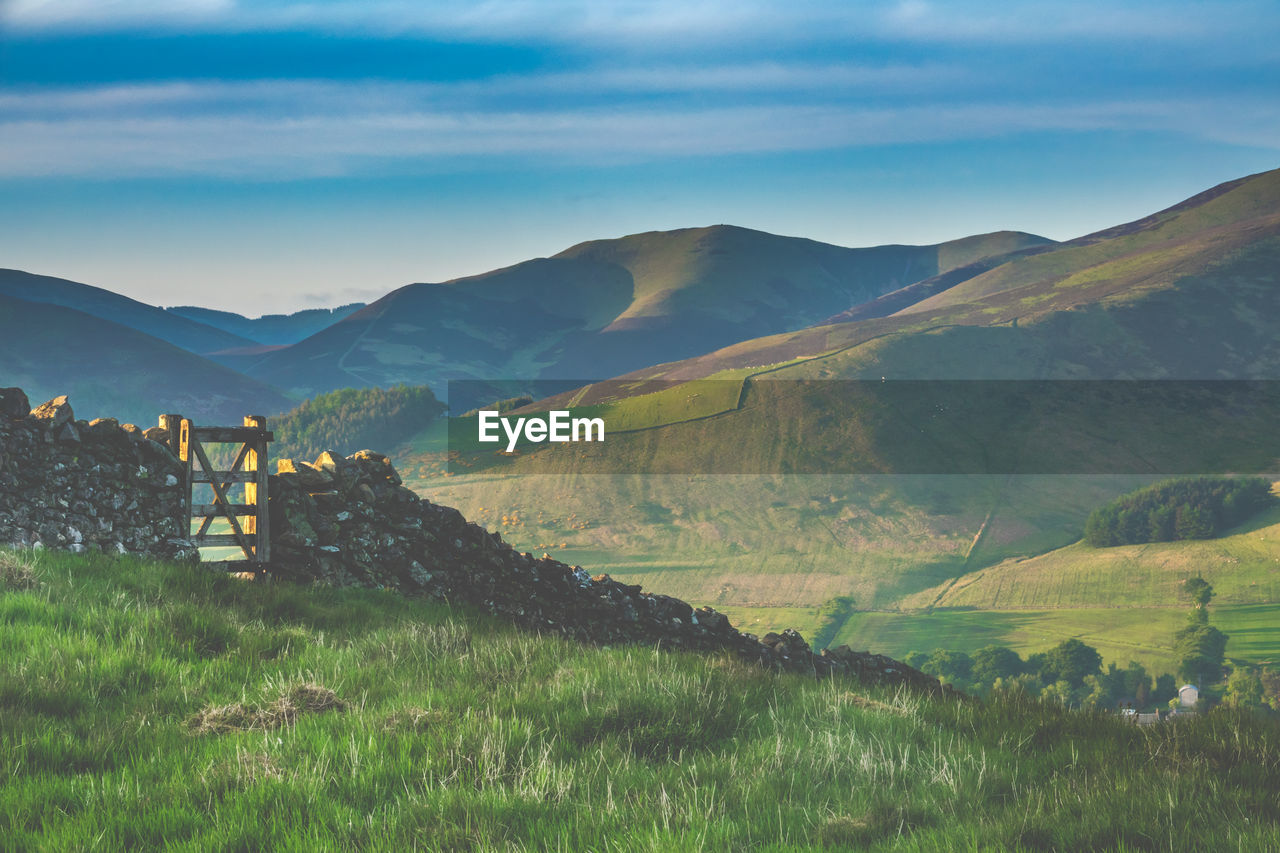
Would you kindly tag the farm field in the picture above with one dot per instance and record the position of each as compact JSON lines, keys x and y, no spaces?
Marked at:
{"x":1243,"y":566}
{"x":770,"y":551}
{"x":1120,"y":634}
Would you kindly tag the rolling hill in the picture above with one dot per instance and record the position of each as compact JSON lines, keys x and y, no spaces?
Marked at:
{"x":609,"y":306}
{"x":180,"y":331}
{"x":1187,"y":293}
{"x":112,"y":370}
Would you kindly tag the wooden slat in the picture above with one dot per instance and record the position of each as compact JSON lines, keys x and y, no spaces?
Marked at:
{"x":250,"y":468}
{"x":198,"y":510}
{"x":213,"y":539}
{"x":218,"y":435}
{"x":226,"y":478}
{"x":226,"y":484}
{"x":256,"y":492}
{"x":220,"y":496}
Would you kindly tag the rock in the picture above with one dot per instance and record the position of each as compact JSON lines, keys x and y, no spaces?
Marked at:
{"x":14,"y":404}
{"x":54,"y":413}
{"x":83,"y":485}
{"x":344,"y":472}
{"x":310,"y":477}
{"x":160,"y":435}
{"x":376,"y":465}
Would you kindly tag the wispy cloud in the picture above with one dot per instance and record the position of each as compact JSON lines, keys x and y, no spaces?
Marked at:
{"x":113,"y":14}
{"x":330,"y":128}
{"x":669,"y":23}
{"x":825,"y":81}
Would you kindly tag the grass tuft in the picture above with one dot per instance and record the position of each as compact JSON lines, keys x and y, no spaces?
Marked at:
{"x":17,"y":572}
{"x":284,"y":711}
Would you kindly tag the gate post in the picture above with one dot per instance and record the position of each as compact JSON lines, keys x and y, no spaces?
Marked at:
{"x":255,"y":492}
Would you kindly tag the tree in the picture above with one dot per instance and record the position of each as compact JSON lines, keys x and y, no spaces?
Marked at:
{"x":1244,"y":689}
{"x":1193,"y":522}
{"x":994,"y":662}
{"x":1270,"y":679}
{"x":950,"y":666}
{"x":1200,"y":649}
{"x":1199,"y":590}
{"x":1070,"y":661}
{"x":1059,"y":691}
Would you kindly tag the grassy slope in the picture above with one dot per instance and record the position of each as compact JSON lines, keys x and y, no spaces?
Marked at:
{"x":140,"y":702}
{"x":1154,"y":245}
{"x":1125,"y":601}
{"x":110,"y":370}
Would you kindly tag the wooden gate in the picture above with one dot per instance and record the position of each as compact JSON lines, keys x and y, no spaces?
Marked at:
{"x":249,"y":521}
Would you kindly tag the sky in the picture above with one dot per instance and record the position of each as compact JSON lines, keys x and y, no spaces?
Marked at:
{"x":279,"y":155}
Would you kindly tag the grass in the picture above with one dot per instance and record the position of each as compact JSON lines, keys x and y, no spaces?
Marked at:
{"x":1120,"y":634}
{"x":1241,"y":565}
{"x":155,"y":706}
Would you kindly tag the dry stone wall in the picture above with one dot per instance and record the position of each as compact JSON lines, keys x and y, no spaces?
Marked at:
{"x":86,"y":485}
{"x":348,"y":521}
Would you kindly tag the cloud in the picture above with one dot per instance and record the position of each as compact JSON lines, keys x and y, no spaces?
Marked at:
{"x":663,"y":25}
{"x":351,"y":129}
{"x":756,"y":79}
{"x":112,"y":14}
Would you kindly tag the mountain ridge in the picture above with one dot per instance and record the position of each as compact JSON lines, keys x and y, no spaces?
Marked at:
{"x":604,"y":306}
{"x":183,"y":332}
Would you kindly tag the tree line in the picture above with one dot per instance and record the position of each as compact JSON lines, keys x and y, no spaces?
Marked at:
{"x":1071,"y":672}
{"x":354,"y":419}
{"x":1190,"y":508}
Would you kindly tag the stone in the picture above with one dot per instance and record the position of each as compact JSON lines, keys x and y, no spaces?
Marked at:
{"x":377,"y":465}
{"x":54,"y":413}
{"x":310,"y":477}
{"x":345,"y":473}
{"x":14,"y":404}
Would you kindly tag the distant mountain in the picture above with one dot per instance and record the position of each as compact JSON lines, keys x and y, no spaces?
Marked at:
{"x":180,"y":331}
{"x":269,"y":329}
{"x":1189,"y":292}
{"x":608,"y":306}
{"x":111,"y":370}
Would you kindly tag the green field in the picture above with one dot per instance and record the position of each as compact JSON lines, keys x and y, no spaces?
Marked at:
{"x":1120,"y":634}
{"x":154,"y":706}
{"x":769,"y":551}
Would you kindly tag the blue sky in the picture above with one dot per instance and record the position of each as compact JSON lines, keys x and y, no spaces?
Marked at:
{"x":278,"y":155}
